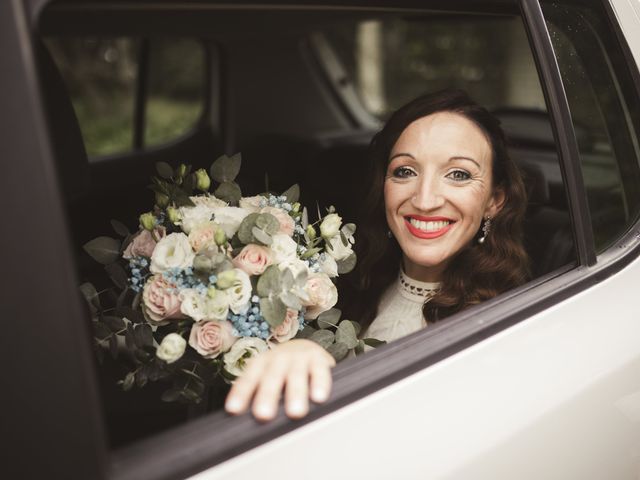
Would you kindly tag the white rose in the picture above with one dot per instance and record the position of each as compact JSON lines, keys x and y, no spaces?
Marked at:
{"x":217,"y":308}
{"x":193,"y":304}
{"x":283,"y":247}
{"x":208,"y":201}
{"x":239,"y":293}
{"x":245,"y":348}
{"x":252,"y":203}
{"x":328,"y":265}
{"x":173,"y":251}
{"x":191,"y":217}
{"x":171,"y":348}
{"x":330,"y":226}
{"x":296,"y":266}
{"x":230,"y":218}
{"x":338,"y":250}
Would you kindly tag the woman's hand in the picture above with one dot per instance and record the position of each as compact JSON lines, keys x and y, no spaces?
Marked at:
{"x":297,"y":365}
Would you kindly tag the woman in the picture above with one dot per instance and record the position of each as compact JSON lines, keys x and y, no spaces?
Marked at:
{"x":441,"y":232}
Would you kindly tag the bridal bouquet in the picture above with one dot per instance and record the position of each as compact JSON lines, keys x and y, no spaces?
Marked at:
{"x":211,"y":279}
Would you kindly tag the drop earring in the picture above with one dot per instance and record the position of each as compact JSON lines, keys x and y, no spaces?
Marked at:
{"x":389,"y":234}
{"x":486,"y":228}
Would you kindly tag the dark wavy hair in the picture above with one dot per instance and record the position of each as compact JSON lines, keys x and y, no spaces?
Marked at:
{"x":478,"y":272}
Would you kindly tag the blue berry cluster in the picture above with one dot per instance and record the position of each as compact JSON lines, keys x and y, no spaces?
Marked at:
{"x":315,"y":261}
{"x":279,"y":201}
{"x":250,"y":324}
{"x":139,"y":268}
{"x":186,"y":279}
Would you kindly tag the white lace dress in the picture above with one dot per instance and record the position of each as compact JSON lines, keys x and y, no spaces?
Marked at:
{"x":400,"y":310}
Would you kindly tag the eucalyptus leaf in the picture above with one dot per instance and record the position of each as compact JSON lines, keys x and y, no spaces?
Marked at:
{"x":142,"y":376}
{"x":346,"y":265}
{"x":102,"y":332}
{"x":305,"y":218}
{"x":128,"y":381}
{"x":120,"y":228}
{"x":306,"y":332}
{"x":90,"y":294}
{"x":136,"y":301}
{"x":291,"y":300}
{"x":273,"y":310}
{"x":292,"y":193}
{"x":189,"y":183}
{"x":348,"y":229}
{"x":261,"y":236}
{"x":129,"y":338}
{"x":191,"y":374}
{"x":245,"y":234}
{"x":344,"y":240}
{"x":117,"y":274}
{"x":226,"y":169}
{"x":338,"y":351}
{"x":359,"y":350}
{"x":374,"y":342}
{"x":164,"y":170}
{"x":310,"y":253}
{"x":116,"y":324}
{"x":346,"y":334}
{"x":113,"y":346}
{"x":287,"y":279}
{"x":270,"y":282}
{"x":330,"y":318}
{"x":104,"y":250}
{"x":268,"y":223}
{"x":324,"y":338}
{"x":143,"y":336}
{"x":171,"y":395}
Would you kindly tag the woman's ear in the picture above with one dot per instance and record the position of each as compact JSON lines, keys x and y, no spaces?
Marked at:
{"x":496,"y":202}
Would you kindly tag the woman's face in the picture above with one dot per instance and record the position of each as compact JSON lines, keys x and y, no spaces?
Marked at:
{"x":437,"y":190}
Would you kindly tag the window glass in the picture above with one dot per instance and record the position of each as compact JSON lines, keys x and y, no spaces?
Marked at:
{"x":100,"y":74}
{"x":175,"y":97}
{"x":605,"y":113}
{"x":395,"y":60}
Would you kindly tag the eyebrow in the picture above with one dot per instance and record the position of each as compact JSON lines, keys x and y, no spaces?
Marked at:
{"x":456,"y":157}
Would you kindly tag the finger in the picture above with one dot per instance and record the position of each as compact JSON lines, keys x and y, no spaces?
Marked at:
{"x":320,"y":373}
{"x":244,"y":387}
{"x":265,"y":403}
{"x":297,"y":391}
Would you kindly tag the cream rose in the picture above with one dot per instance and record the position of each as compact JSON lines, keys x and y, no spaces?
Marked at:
{"x":338,"y":249}
{"x":173,"y":251}
{"x":143,"y":243}
{"x":284,"y":219}
{"x":284,"y":248}
{"x":211,"y":338}
{"x":254,"y":259}
{"x":208,"y":201}
{"x":191,"y":217}
{"x":159,"y":300}
{"x":330,"y":226}
{"x":288,"y":328}
{"x":202,"y":236}
{"x":322,"y":293}
{"x":230,"y":218}
{"x":239,"y":292}
{"x":235,"y":360}
{"x":252,"y":203}
{"x":328,"y":265}
{"x":171,"y":348}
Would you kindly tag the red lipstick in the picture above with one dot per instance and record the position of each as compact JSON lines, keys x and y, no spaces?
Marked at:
{"x":416,"y":232}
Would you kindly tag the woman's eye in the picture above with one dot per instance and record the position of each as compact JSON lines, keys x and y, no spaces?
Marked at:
{"x":403,"y":172}
{"x":459,"y":175}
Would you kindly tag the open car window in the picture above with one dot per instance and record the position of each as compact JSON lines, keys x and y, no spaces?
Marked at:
{"x":300,"y":92}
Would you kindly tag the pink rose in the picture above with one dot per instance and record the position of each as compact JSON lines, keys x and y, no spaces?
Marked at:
{"x":160,"y":301}
{"x":211,"y":338}
{"x":284,"y":219}
{"x":202,"y":236}
{"x":323,"y":295}
{"x":288,"y":328}
{"x":253,"y":259}
{"x":143,"y":243}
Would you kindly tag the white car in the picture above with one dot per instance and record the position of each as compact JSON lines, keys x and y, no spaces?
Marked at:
{"x":542,"y":382}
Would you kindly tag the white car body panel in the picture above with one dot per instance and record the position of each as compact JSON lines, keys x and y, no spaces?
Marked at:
{"x":556,"y":396}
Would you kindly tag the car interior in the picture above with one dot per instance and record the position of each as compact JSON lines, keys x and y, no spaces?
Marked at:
{"x":272,"y":94}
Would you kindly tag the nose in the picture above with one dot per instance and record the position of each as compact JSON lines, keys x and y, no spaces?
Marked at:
{"x":428,"y":194}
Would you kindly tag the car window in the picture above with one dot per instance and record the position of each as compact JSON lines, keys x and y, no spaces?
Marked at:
{"x":131,"y":93}
{"x":604,"y":110}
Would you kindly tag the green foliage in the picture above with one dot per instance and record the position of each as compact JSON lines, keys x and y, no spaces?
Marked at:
{"x":346,"y":333}
{"x":347,"y":265}
{"x":226,"y":169}
{"x":328,"y":319}
{"x":229,"y":192}
{"x":292,"y":193}
{"x":103,"y":250}
{"x":273,"y":310}
{"x":324,"y":338}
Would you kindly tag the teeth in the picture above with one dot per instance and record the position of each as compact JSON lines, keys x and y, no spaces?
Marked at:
{"x":429,"y":226}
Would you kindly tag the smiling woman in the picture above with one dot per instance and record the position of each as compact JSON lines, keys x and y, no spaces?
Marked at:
{"x":442,"y":232}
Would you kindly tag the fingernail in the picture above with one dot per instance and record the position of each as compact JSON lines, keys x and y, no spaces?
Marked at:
{"x":319,"y":394}
{"x":233,"y":405}
{"x":264,"y":411}
{"x":296,"y":408}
